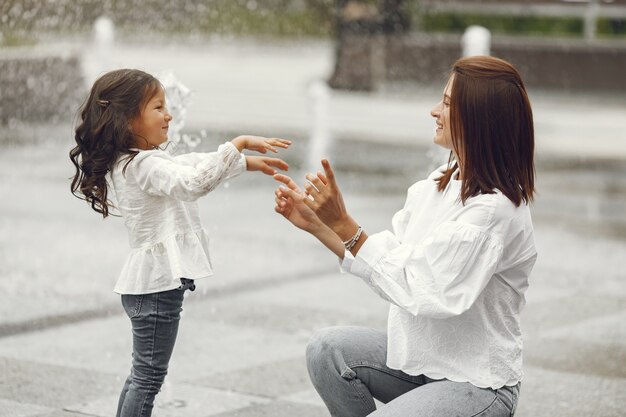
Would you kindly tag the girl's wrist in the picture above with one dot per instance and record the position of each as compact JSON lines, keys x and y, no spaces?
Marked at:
{"x":239,"y":142}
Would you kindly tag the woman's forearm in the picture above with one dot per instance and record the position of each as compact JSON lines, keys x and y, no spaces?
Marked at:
{"x":346,"y":230}
{"x":330,"y":239}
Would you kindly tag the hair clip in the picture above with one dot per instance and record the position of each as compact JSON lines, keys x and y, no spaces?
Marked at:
{"x":103,"y":103}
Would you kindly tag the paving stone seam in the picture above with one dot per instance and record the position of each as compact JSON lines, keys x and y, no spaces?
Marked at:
{"x":109,"y":309}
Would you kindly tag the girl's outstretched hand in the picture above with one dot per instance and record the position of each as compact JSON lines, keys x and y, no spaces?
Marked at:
{"x":290,"y":202}
{"x":260,"y":144}
{"x":265,"y":164}
{"x":325,"y":197}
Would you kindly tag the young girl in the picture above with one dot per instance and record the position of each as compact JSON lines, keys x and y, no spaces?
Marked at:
{"x":454,"y":269}
{"x":123,"y":122}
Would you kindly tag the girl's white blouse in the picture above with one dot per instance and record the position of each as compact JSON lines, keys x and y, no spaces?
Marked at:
{"x":455,"y":276}
{"x":156,"y":196}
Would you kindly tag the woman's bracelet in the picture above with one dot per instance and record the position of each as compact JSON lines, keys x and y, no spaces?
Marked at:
{"x":349,"y":244}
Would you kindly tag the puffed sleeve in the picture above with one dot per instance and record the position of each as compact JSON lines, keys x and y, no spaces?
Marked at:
{"x":159,"y":174}
{"x":439,"y":277}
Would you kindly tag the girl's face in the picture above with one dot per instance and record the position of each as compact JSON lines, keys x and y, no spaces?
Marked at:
{"x":151,"y":126}
{"x":441,"y":113}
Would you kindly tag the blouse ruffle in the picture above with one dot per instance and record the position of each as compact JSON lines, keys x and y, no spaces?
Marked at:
{"x":160,"y":266}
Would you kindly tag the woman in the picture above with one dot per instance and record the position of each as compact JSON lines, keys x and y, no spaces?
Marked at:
{"x":454,"y":269}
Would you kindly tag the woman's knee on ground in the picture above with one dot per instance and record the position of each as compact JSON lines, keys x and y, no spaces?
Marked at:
{"x":325,"y":349}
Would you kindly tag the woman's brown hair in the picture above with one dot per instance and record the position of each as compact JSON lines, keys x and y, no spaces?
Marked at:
{"x":492,"y":130}
{"x":103,"y":134}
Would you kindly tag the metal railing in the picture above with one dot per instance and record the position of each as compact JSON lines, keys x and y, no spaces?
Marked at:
{"x":588,"y":10}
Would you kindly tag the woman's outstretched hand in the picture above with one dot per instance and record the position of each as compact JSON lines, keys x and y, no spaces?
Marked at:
{"x":322,"y":198}
{"x":265,"y":164}
{"x":325,"y":197}
{"x":290,"y":202}
{"x":260,"y":144}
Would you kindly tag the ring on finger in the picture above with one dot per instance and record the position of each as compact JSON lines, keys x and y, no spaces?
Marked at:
{"x":313,"y":185}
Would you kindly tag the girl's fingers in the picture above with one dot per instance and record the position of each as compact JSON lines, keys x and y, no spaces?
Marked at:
{"x":283,"y":143}
{"x":270,"y":147}
{"x":277,"y":163}
{"x":266,"y":169}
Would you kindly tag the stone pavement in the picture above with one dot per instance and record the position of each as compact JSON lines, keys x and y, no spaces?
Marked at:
{"x":65,"y":343}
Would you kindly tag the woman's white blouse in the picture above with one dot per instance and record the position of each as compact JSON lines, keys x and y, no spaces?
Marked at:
{"x":455,"y":276}
{"x":157,"y":196}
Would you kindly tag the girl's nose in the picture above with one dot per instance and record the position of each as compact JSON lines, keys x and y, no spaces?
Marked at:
{"x":168,"y":116}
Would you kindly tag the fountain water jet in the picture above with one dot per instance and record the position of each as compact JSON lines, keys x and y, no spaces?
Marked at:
{"x":320,"y":130}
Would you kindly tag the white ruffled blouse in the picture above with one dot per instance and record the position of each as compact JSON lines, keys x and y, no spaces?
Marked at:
{"x":157,"y":196}
{"x":455,"y":276}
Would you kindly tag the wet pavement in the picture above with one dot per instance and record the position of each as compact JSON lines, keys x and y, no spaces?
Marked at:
{"x":65,"y":343}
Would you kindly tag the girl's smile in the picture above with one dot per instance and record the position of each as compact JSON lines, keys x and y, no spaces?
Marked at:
{"x":152,"y":125}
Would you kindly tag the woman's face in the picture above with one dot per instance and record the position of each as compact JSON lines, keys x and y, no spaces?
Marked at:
{"x":441,"y":113}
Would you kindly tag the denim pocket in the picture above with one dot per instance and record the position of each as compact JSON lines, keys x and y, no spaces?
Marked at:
{"x":507,"y":396}
{"x":132,"y":304}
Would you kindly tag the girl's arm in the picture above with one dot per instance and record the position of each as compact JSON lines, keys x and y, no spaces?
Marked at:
{"x":259,"y":143}
{"x":254,"y":143}
{"x":159,"y":174}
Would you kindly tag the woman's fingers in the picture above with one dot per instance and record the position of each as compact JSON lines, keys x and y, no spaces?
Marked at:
{"x":330,"y":175}
{"x":315,"y":182}
{"x":309,"y":188}
{"x":289,"y":193}
{"x":287,"y":181}
{"x":322,"y":177}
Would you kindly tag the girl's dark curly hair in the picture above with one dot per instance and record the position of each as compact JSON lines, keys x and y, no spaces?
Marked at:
{"x":103,"y":134}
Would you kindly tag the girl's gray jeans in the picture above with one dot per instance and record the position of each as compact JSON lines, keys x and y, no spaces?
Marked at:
{"x":154,"y":319}
{"x":347,"y":366}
